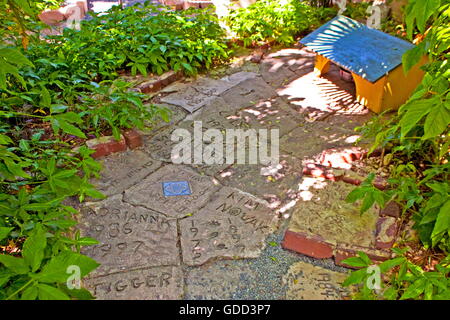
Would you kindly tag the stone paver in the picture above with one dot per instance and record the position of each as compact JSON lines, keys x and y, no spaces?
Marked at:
{"x":227,"y":239}
{"x":324,"y":212}
{"x":196,"y":95}
{"x":176,"y":115}
{"x":159,"y":283}
{"x":149,"y":192}
{"x":273,"y":183}
{"x":122,"y":170}
{"x":308,"y":282}
{"x":130,"y":237}
{"x":248,"y":92}
{"x":310,"y":139}
{"x":233,"y":224}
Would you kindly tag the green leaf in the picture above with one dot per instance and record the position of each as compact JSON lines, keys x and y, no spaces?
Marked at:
{"x":442,"y":224}
{"x":188,"y":67}
{"x":30,"y":293}
{"x":36,"y":206}
{"x":5,"y":275}
{"x":415,"y":289}
{"x":391,"y":293}
{"x":355,"y":195}
{"x":55,"y":270}
{"x":58,"y":108}
{"x":368,"y":202}
{"x":391,"y":263}
{"x":415,"y":111}
{"x":437,"y":121}
{"x":24,"y":145}
{"x":61,"y":224}
{"x":71,"y":117}
{"x":413,"y":56}
{"x":16,"y":169}
{"x":71,"y":129}
{"x":46,"y":99}
{"x":16,"y":265}
{"x":14,"y":56}
{"x":424,"y":10}
{"x":4,"y":231}
{"x":355,"y":277}
{"x":33,"y":248}
{"x":355,"y":262}
{"x":5,"y":140}
{"x":142,"y":69}
{"x":80,"y":294}
{"x":86,"y":241}
{"x":47,"y":292}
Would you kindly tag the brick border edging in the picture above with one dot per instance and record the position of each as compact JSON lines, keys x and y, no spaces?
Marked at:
{"x":159,"y":82}
{"x":131,"y":138}
{"x":107,"y":145}
{"x":387,"y":228}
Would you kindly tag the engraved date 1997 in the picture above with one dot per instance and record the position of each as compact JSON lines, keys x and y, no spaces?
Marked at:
{"x":212,"y":235}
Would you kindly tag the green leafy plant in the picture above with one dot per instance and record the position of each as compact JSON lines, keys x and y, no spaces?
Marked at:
{"x":416,"y":143}
{"x":276,"y":21}
{"x":409,"y":281}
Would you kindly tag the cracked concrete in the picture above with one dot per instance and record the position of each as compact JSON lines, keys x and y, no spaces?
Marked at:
{"x":223,"y":240}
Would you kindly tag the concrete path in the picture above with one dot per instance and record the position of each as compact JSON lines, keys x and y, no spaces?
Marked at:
{"x":223,"y":240}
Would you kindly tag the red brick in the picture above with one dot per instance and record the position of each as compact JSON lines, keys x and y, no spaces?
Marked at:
{"x":392,"y":209}
{"x":319,"y":171}
{"x":386,"y":232}
{"x":106,"y":145}
{"x":187,"y":5}
{"x":150,"y":86}
{"x":159,"y":82}
{"x":341,"y":158}
{"x":355,"y":182}
{"x":133,"y":138}
{"x":312,"y":246}
{"x":343,"y":252}
{"x":379,"y":185}
{"x":51,"y":17}
{"x":169,"y":77}
{"x":172,"y":2}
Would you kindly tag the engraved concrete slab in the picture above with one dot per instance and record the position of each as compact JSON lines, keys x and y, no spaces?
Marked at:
{"x":160,"y":145}
{"x":159,"y":283}
{"x":123,"y":169}
{"x":233,"y":224}
{"x":297,"y":60}
{"x":247,"y":93}
{"x":308,"y":282}
{"x":176,"y":115}
{"x":211,"y":87}
{"x":190,"y":99}
{"x":212,"y":107}
{"x":149,"y":192}
{"x":276,"y":72}
{"x":218,"y":281}
{"x":309,"y":139}
{"x":204,"y":91}
{"x":239,"y":77}
{"x":266,"y":114}
{"x":277,"y":184}
{"x":130,"y":237}
{"x":325,"y":213}
{"x":270,"y":114}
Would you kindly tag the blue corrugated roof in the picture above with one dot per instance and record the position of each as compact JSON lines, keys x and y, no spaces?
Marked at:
{"x":352,"y":45}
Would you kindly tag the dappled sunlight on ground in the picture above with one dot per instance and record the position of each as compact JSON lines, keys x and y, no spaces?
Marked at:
{"x":328,"y":93}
